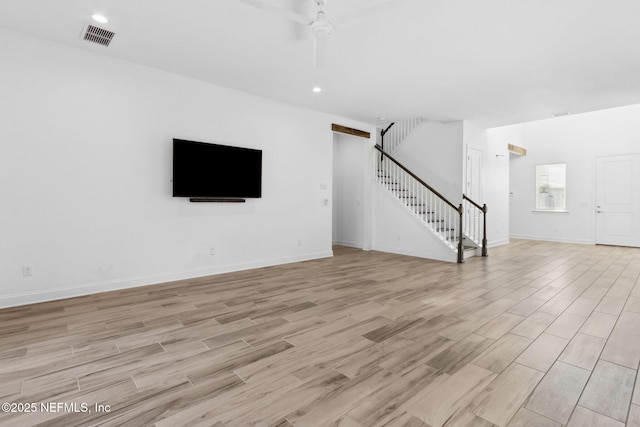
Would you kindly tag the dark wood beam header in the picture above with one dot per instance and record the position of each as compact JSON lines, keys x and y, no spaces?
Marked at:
{"x":517,"y":150}
{"x":350,"y":131}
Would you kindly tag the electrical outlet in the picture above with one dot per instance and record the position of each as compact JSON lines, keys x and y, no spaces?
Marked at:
{"x":27,"y":270}
{"x":212,"y":251}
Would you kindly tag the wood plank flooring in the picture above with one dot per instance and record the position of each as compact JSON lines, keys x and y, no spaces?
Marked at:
{"x":538,"y":334}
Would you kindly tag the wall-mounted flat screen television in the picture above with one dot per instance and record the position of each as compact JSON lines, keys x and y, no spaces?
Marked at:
{"x":217,"y":171}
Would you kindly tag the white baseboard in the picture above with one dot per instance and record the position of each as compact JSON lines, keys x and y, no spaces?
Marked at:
{"x":553,"y":239}
{"x":420,"y":254}
{"x":495,"y":243}
{"x":349,"y":244}
{"x":77,"y":291}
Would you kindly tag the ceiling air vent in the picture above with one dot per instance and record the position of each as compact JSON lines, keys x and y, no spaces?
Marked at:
{"x":98,"y":35}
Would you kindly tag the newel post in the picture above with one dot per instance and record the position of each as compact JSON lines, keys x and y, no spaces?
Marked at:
{"x":460,"y":245}
{"x":484,"y":230}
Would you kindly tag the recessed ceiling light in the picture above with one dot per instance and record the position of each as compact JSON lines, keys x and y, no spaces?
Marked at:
{"x":99,"y":18}
{"x":316,"y":89}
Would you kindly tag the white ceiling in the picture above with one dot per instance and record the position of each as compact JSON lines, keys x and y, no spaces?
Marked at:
{"x":492,"y":62}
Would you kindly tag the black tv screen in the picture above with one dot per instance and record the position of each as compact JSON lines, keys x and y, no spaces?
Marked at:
{"x":210,"y":170}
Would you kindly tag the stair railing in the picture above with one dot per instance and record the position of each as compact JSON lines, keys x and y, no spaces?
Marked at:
{"x":427,"y":203}
{"x":472,"y":223}
{"x":383,"y":132}
{"x":400,"y":132}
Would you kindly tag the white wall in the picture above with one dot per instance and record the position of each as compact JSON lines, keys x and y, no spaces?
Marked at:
{"x":576,"y":140}
{"x":350,"y":154}
{"x":494,"y":181}
{"x":434,"y":152}
{"x":85,"y":170}
{"x":398,"y":230}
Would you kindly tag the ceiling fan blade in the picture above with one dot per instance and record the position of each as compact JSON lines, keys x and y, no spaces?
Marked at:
{"x":357,"y":15}
{"x":278,"y":11}
{"x":319,"y":49}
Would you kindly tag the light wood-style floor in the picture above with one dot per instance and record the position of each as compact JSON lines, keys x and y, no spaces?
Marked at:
{"x":538,"y":334}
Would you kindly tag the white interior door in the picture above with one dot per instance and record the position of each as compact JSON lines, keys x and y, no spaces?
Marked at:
{"x":618,"y":200}
{"x":474,"y":165}
{"x":473,"y":191}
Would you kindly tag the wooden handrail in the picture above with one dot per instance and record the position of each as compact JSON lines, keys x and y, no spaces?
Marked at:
{"x":482,"y":208}
{"x":383,"y":132}
{"x":414,"y":176}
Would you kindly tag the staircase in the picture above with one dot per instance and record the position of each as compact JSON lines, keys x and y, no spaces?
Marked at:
{"x":461,"y":228}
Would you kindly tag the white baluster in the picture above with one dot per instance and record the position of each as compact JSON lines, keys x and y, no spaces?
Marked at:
{"x":440,"y":211}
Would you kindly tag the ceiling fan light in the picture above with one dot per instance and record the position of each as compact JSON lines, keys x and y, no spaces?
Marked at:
{"x":321,"y":29}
